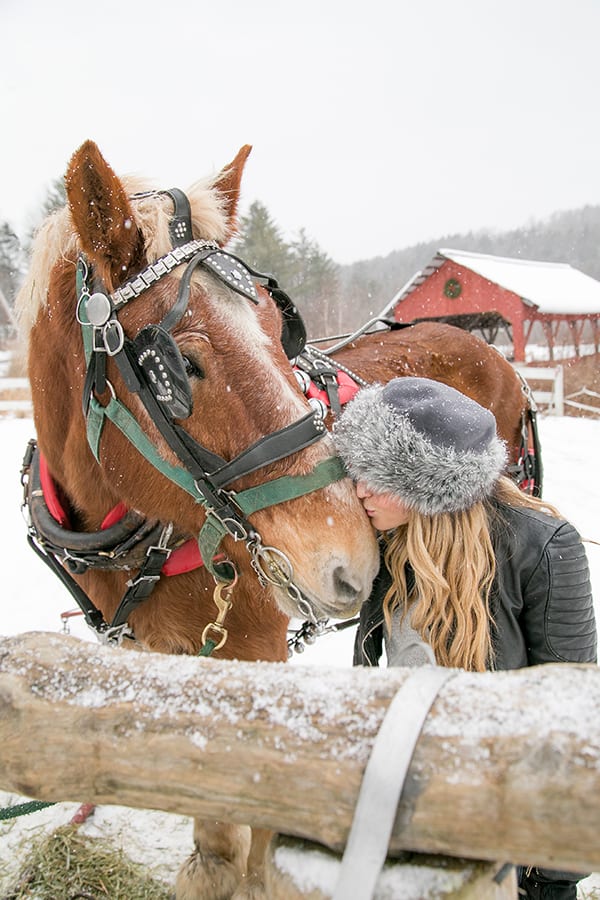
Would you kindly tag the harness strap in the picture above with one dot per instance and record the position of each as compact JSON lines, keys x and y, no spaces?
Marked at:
{"x":275,"y":446}
{"x":92,"y":614}
{"x":528,"y":471}
{"x":329,"y":382}
{"x":140,"y":587}
{"x":120,"y":416}
{"x":288,"y":487}
{"x":332,"y":389}
{"x":179,"y":307}
{"x":121,"y":544}
{"x":383,"y":781}
{"x":180,"y":223}
{"x":123,"y":537}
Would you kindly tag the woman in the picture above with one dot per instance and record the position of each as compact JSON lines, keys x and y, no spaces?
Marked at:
{"x":474,"y":573}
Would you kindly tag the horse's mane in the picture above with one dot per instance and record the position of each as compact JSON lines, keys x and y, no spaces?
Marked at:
{"x":56,"y":238}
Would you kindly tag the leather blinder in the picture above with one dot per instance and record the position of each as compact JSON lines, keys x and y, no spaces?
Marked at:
{"x":161,"y":364}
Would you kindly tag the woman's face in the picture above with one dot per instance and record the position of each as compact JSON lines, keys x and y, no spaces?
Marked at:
{"x":384,"y":510}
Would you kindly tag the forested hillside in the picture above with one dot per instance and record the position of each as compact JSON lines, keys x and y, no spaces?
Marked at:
{"x":338,"y":298}
{"x":569,"y":237}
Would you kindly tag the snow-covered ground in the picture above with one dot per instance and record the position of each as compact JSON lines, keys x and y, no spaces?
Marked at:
{"x":32,"y":600}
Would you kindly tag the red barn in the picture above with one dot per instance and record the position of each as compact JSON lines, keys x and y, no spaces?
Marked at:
{"x":487,"y":293}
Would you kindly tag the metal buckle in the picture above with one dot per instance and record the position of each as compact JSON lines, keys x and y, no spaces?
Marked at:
{"x":139,"y":579}
{"x":234,"y":527}
{"x":113,"y":337}
{"x":165,"y":537}
{"x":114,"y":636}
{"x":213,"y":626}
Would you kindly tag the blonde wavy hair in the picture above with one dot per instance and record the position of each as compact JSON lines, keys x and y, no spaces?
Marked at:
{"x":454,"y":565}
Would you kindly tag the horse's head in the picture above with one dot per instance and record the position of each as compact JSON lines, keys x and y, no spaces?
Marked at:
{"x":191,"y":411}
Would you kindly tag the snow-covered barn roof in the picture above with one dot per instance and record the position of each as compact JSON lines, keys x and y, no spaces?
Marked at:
{"x":552,"y":287}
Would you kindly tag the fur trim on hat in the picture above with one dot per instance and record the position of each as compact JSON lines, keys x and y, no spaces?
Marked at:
{"x":381,"y":447}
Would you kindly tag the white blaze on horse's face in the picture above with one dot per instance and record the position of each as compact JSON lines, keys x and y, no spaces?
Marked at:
{"x":336,"y":580}
{"x":325,"y":535}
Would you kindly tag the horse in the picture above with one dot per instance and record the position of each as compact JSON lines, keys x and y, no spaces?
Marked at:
{"x":169,"y":418}
{"x":165,"y":407}
{"x":460,"y":359}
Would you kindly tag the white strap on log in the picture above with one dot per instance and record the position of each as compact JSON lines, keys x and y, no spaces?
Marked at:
{"x":383,"y":781}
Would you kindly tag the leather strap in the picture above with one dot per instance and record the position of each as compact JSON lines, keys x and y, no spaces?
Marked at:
{"x":383,"y":781}
{"x":271,"y":448}
{"x":180,"y":224}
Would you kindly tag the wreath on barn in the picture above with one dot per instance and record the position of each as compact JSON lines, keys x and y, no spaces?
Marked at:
{"x":452,"y":288}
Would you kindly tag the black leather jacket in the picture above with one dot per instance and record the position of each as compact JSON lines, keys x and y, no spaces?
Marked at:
{"x":541,"y":598}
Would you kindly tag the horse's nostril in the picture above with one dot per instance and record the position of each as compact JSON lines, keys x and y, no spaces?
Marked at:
{"x":343,"y":586}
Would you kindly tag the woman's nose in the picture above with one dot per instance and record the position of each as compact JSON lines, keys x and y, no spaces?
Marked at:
{"x":362,"y":490}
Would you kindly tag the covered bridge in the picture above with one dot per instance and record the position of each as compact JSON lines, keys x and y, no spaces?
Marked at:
{"x":534,"y":302}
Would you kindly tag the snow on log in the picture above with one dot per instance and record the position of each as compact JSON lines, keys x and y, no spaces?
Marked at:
{"x":507,"y":766}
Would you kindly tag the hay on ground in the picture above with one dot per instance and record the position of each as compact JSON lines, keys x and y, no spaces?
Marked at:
{"x":70,"y":865}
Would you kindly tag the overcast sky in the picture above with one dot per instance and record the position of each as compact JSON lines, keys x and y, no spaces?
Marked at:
{"x":374,"y":124}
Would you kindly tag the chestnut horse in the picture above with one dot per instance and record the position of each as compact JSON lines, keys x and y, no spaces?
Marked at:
{"x":194,"y":428}
{"x":165,"y":406}
{"x":450,"y":355}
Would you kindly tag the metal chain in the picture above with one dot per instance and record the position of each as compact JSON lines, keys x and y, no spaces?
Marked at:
{"x":272,"y":566}
{"x":308,"y":633}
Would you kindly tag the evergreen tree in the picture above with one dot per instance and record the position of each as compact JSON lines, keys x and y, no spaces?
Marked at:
{"x":11,"y":262}
{"x":302,"y":269}
{"x":315,"y":286}
{"x":56,"y":198}
{"x":261,"y":245}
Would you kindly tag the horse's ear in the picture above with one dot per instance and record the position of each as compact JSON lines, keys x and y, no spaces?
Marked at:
{"x":228,"y":184}
{"x":102,"y":215}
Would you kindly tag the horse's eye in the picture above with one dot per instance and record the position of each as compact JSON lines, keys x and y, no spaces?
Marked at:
{"x":192,"y":369}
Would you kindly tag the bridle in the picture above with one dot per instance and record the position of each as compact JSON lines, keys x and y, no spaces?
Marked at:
{"x":152,"y":367}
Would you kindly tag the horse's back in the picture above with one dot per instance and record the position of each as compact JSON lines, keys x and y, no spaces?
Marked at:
{"x":447,"y":354}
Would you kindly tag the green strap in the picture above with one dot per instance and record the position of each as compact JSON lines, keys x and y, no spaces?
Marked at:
{"x":23,"y":809}
{"x":211,"y":534}
{"x":95,"y":421}
{"x":288,"y":487}
{"x":120,"y":416}
{"x":208,"y":648}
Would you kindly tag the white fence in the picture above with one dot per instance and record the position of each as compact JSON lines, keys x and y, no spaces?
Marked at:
{"x":577,"y":404}
{"x":14,"y":385}
{"x":552,"y":399}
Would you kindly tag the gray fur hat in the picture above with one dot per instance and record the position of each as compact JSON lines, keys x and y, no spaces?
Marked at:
{"x":425,"y":442}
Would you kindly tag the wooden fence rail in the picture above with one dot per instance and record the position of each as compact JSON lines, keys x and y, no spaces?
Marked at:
{"x":15,"y":396}
{"x":507,"y":766}
{"x":553,"y":399}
